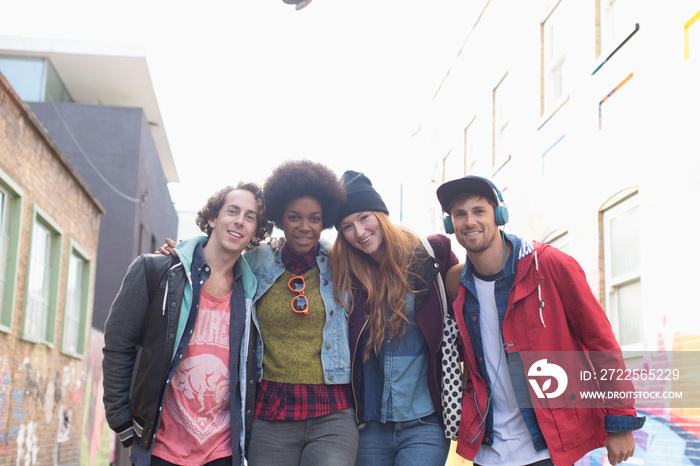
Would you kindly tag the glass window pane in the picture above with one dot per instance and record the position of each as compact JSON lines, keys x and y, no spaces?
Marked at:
{"x":71,"y":332}
{"x":25,"y":75}
{"x":452,"y":166}
{"x":501,"y":102}
{"x":557,"y":38}
{"x":625,"y":242}
{"x":39,"y":283}
{"x":4,"y":236}
{"x":618,"y":20}
{"x":55,"y":90}
{"x":629,"y":302}
{"x":561,"y":243}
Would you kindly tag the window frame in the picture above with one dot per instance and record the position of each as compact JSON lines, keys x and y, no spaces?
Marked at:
{"x":8,"y":296}
{"x":559,"y":239}
{"x":49,"y":336}
{"x":550,"y":64}
{"x":627,"y":201}
{"x":616,"y":23}
{"x":501,"y":122}
{"x":469,"y":143}
{"x":74,"y":250}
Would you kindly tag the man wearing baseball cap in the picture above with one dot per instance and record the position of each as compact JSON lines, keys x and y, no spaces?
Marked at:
{"x":516,"y":299}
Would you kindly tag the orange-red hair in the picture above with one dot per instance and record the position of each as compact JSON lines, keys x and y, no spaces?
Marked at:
{"x":385,"y":283}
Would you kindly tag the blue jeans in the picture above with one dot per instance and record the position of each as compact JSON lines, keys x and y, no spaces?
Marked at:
{"x":420,"y":442}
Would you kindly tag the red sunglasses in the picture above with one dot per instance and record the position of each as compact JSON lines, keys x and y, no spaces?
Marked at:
{"x":300,"y":304}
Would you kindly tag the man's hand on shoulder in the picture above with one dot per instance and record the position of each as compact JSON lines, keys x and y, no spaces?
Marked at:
{"x":620,"y":447}
{"x":168,"y":247}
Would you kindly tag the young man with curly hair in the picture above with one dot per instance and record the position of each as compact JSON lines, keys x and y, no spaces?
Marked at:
{"x":178,"y":345}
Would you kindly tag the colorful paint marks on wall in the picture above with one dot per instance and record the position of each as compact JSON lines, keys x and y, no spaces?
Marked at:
{"x":98,"y":440}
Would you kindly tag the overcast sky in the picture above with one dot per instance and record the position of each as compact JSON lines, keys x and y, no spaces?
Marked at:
{"x":243,"y":85}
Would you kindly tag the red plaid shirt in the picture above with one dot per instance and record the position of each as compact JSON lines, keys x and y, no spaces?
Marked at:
{"x":277,"y":401}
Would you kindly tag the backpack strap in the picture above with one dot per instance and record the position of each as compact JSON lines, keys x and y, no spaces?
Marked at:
{"x":156,"y":266}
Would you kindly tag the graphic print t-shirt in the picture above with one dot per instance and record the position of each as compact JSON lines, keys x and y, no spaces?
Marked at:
{"x":194,"y":427}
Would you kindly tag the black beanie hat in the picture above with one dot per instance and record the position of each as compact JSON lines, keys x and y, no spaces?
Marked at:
{"x":361,"y":196}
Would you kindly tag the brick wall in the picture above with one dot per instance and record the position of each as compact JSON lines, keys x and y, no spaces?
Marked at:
{"x":41,"y":389}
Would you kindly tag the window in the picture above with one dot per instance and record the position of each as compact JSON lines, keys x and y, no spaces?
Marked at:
{"x":617,"y":22}
{"x":501,"y":102}
{"x":451,"y":167}
{"x":10,"y":209}
{"x":559,"y":239}
{"x":42,"y":281}
{"x":623,"y":280}
{"x":5,"y":212}
{"x":25,"y":75}
{"x":75,"y":315}
{"x":34,"y":79}
{"x":555,"y":42}
{"x":55,"y":89}
{"x":469,"y":151}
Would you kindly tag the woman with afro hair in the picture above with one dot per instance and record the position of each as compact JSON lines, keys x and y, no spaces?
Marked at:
{"x":304,"y":412}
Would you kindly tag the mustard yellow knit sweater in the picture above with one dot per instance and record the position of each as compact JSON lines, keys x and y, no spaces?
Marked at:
{"x":291,"y":341}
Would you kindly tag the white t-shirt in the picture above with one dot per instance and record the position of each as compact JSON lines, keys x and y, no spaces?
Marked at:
{"x":512,"y":442}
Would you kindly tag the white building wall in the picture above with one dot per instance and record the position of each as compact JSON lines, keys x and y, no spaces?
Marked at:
{"x":567,"y":164}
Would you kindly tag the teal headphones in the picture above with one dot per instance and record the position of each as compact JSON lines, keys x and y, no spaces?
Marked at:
{"x":500,"y":212}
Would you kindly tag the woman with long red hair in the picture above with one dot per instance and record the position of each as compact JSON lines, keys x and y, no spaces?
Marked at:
{"x":396,"y":323}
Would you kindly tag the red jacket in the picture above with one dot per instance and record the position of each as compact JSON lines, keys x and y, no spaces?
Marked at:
{"x":573,"y":321}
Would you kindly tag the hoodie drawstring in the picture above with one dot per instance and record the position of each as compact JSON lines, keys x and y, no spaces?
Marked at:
{"x":165,"y":296}
{"x":167,"y":286}
{"x":539,"y":292}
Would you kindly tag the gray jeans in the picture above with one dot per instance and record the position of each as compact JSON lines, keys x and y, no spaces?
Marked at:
{"x":327,"y":440}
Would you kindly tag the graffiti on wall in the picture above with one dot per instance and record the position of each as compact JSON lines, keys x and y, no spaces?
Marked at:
{"x":98,"y":445}
{"x":27,"y":444}
{"x":671,"y":435}
{"x":5,"y":395}
{"x":32,"y":398}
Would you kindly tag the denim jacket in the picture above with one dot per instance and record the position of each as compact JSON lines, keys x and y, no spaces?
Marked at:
{"x":335,"y":355}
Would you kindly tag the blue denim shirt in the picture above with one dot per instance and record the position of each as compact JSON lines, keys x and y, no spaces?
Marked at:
{"x":395,"y":382}
{"x":267,"y":266}
{"x":515,"y":368}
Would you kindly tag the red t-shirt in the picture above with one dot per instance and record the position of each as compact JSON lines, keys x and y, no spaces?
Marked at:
{"x":195,"y":423}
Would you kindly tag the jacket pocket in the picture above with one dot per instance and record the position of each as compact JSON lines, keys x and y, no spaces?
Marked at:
{"x":575,"y":426}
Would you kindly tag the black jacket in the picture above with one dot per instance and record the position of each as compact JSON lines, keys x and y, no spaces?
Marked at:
{"x":139,"y":347}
